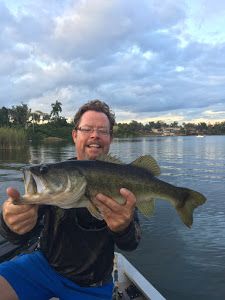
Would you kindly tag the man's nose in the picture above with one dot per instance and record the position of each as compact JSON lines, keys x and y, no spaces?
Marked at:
{"x":95,"y":133}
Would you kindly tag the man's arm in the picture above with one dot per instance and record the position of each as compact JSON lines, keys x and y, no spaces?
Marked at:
{"x":122,"y":220}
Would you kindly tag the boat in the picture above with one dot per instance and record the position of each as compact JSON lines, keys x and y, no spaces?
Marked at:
{"x":129,"y":282}
{"x":199,"y":136}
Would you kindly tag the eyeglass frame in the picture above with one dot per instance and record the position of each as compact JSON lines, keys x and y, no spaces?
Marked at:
{"x":90,"y":130}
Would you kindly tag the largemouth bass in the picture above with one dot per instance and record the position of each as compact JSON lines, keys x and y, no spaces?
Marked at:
{"x":74,"y":183}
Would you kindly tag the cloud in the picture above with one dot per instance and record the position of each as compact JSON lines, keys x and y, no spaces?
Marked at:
{"x":146,"y":61}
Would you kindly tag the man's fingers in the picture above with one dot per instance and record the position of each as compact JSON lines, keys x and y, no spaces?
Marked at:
{"x":22,"y":226}
{"x":117,"y":216}
{"x":22,"y":217}
{"x":104,"y":202}
{"x":10,"y":207}
{"x":129,"y":199}
{"x":129,"y":196}
{"x":19,"y":218}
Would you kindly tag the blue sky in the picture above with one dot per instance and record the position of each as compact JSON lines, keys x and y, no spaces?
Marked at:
{"x":150,"y":60}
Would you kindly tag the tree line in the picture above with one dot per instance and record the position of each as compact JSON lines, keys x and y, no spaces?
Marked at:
{"x":21,"y":116}
{"x":135,"y":128}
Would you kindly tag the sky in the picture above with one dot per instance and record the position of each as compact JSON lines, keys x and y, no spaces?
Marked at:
{"x":149,"y":60}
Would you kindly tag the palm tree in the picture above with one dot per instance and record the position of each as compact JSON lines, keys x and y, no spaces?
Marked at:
{"x":56,"y":109}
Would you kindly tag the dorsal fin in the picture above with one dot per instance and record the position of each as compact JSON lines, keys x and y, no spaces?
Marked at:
{"x":109,"y":158}
{"x":147,"y":162}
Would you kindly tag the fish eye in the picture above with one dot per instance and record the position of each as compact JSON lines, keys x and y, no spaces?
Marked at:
{"x":43,"y":169}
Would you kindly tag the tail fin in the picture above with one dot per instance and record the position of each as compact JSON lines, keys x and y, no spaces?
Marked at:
{"x":192,"y":200}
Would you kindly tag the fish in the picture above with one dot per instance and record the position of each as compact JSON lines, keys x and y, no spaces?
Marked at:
{"x":75,"y":183}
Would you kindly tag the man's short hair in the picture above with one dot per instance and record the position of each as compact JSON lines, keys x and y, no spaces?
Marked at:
{"x":95,"y":105}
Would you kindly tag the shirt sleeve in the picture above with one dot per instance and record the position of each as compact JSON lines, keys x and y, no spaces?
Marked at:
{"x":129,"y":238}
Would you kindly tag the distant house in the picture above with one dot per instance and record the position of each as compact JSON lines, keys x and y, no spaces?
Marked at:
{"x":170,"y":131}
{"x":166,"y":131}
{"x":39,"y":117}
{"x":157,"y":130}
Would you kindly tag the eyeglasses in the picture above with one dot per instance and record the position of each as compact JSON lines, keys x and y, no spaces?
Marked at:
{"x":89,"y":130}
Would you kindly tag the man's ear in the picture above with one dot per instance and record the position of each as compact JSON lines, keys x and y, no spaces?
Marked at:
{"x":74,"y":135}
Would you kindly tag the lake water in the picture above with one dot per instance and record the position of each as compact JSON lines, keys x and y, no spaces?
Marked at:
{"x":181,"y":263}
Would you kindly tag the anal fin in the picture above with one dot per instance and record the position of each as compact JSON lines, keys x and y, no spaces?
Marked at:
{"x":147,"y":207}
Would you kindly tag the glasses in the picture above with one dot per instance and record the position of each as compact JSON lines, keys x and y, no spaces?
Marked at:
{"x":89,"y":130}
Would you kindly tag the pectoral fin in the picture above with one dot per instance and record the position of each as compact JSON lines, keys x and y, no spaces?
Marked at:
{"x":94,"y":211}
{"x":147,"y":208}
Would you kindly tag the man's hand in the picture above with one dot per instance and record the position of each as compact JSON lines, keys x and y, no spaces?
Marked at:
{"x":117,"y":216}
{"x":19,"y":218}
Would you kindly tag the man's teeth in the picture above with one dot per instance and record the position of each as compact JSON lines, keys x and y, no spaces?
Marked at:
{"x":94,"y":146}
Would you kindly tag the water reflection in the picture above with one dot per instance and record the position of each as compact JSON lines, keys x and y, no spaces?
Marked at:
{"x":10,"y":156}
{"x":182,"y":263}
{"x":171,"y":256}
{"x":51,"y":152}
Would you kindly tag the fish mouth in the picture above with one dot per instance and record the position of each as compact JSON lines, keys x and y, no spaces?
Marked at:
{"x":33,"y":183}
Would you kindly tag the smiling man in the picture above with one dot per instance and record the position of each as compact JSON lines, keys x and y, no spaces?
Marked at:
{"x":74,"y":256}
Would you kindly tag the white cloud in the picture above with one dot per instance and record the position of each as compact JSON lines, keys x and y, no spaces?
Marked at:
{"x":147,"y":61}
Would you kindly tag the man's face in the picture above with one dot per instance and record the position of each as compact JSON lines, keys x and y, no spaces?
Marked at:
{"x":90,"y":145}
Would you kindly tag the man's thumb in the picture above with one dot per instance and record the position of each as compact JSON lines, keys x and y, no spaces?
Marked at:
{"x":13,"y":193}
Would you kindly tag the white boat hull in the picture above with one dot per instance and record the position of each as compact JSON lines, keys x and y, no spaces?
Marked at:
{"x":129,"y":276}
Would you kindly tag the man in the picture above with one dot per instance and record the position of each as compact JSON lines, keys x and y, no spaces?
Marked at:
{"x":74,"y":256}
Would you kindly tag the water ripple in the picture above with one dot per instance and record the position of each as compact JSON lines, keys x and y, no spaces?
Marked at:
{"x":182,"y":263}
